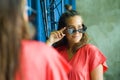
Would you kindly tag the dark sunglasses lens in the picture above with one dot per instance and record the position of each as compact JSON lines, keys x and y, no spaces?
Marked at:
{"x":80,"y":31}
{"x":70,"y":31}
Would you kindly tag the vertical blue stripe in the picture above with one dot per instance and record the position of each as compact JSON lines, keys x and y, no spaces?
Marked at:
{"x":39,"y":21}
{"x":44,"y":27}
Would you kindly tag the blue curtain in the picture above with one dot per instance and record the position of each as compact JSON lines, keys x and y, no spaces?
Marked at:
{"x":47,"y":15}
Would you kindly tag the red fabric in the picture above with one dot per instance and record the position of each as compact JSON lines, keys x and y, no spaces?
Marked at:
{"x":41,"y":62}
{"x":84,"y":61}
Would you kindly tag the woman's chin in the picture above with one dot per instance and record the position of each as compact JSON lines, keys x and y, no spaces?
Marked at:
{"x":76,"y":41}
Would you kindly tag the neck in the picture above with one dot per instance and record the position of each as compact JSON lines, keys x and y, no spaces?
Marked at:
{"x":70,"y":44}
{"x":70,"y":54}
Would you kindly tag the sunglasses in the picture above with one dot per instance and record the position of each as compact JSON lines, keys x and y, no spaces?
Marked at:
{"x":73,"y":30}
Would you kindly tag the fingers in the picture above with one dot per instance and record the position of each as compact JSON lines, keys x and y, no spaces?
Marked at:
{"x":56,"y":35}
{"x":62,"y":30}
{"x":59,"y":33}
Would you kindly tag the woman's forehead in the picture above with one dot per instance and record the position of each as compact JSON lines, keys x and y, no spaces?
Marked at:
{"x":74,"y":20}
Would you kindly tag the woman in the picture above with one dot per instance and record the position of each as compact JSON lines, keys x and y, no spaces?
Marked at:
{"x":21,"y":58}
{"x":71,"y":41}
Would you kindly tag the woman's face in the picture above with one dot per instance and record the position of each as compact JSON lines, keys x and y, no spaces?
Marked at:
{"x":73,"y":25}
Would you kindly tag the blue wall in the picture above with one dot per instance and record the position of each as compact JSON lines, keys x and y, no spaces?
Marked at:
{"x":103,"y":20}
{"x":48,"y":13}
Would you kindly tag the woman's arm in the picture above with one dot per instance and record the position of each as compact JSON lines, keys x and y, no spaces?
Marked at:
{"x":97,"y":73}
{"x":55,"y":36}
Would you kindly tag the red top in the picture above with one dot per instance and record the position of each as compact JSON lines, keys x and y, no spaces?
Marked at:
{"x":41,"y":62}
{"x":84,"y":61}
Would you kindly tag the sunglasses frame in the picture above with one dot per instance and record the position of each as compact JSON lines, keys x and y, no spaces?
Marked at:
{"x":83,"y":30}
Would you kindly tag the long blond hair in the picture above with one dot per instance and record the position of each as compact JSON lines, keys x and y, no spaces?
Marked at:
{"x":12,"y":30}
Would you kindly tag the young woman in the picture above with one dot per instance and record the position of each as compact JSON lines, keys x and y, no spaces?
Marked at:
{"x":21,"y":58}
{"x":71,"y":41}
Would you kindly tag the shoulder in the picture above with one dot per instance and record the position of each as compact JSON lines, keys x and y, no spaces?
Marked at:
{"x":93,"y":51}
{"x":30,"y":43}
{"x":90,"y":47}
{"x":96,"y":57}
{"x":38,"y":55}
{"x":42,"y":61}
{"x":36,"y":46}
{"x":35,"y":50}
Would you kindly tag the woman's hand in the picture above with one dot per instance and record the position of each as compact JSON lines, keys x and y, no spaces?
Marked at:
{"x":56,"y":36}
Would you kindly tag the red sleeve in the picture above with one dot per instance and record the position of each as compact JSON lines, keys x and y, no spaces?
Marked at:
{"x":96,"y":58}
{"x":41,"y":62}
